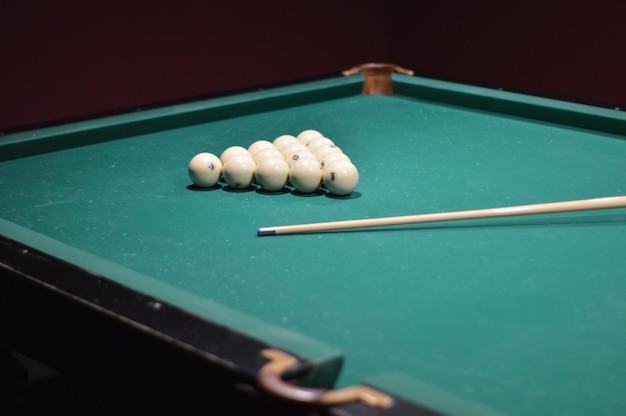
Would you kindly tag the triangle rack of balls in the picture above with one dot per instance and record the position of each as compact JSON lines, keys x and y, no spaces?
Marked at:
{"x":305,"y":162}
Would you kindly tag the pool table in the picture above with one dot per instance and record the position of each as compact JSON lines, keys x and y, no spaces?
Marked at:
{"x":111,"y":256}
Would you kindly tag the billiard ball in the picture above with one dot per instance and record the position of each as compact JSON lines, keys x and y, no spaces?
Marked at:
{"x":331,"y":157}
{"x":272,"y":173}
{"x":238,"y":171}
{"x":299,"y":154}
{"x":319,"y":142}
{"x":270,"y":152}
{"x":284,"y":140}
{"x":205,"y":169}
{"x":305,"y":175}
{"x":307,"y":135}
{"x":293,"y":147}
{"x":324,"y":150}
{"x":233,"y":151}
{"x":340,"y":177}
{"x":259,"y":145}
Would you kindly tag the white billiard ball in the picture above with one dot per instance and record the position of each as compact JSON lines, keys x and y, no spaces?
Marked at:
{"x":292,"y":148}
{"x":305,"y":175}
{"x":340,"y":177}
{"x":332,"y":157}
{"x":238,"y":171}
{"x":270,"y":152}
{"x":259,"y":145}
{"x":233,"y":151}
{"x":205,"y":169}
{"x":284,"y":140}
{"x":325,"y":150}
{"x":299,"y":154}
{"x":319,"y":142}
{"x":307,"y":135}
{"x":272,"y":173}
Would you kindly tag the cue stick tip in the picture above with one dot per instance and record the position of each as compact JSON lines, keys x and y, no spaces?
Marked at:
{"x":260,"y":232}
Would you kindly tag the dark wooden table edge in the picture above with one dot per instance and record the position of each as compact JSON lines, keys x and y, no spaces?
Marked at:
{"x":91,"y":327}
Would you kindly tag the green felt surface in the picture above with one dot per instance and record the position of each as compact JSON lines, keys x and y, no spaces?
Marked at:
{"x":523,"y":315}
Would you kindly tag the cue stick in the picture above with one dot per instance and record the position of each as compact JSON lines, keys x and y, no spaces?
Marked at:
{"x":549,"y":208}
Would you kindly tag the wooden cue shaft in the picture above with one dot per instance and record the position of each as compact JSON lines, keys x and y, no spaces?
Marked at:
{"x":553,"y":207}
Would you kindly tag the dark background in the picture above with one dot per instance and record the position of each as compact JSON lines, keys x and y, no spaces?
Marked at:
{"x":72,"y":59}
